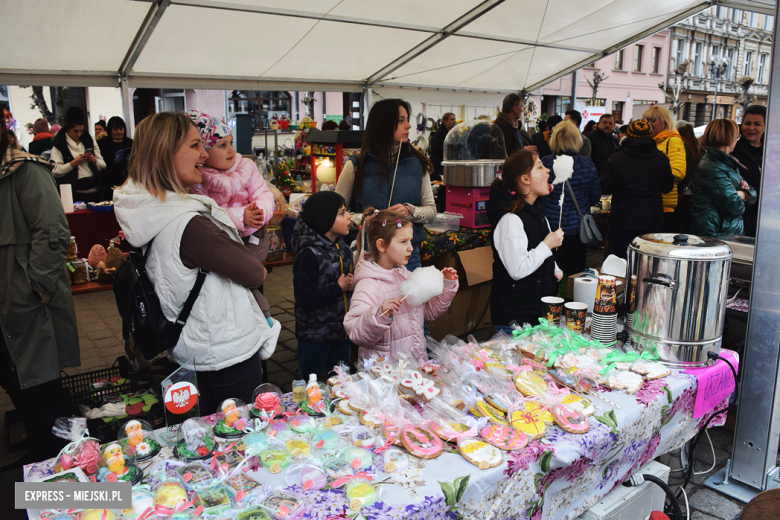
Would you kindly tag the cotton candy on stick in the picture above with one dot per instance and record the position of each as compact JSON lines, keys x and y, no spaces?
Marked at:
{"x":423,"y":284}
{"x":563,"y":166}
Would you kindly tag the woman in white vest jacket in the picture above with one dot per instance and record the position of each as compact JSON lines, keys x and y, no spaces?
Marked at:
{"x":226,"y":335}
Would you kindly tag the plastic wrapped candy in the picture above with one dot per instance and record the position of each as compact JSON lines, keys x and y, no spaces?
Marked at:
{"x":214,"y":499}
{"x":225,"y":462}
{"x":170,"y":494}
{"x":337,"y":468}
{"x":325,"y":439}
{"x":358,"y":458}
{"x":139,"y":435}
{"x":195,"y":440}
{"x":254,"y":513}
{"x":284,"y":505}
{"x":298,"y":447}
{"x":82,"y":451}
{"x":267,"y":398}
{"x":312,"y":477}
{"x":398,"y":459}
{"x":98,"y":514}
{"x":143,"y":501}
{"x":239,"y":482}
{"x":195,"y":475}
{"x":233,"y":416}
{"x":117,"y":463}
{"x":302,"y":423}
{"x":363,"y":437}
{"x":272,"y":456}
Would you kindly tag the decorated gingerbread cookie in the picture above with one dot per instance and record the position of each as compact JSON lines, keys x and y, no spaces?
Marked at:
{"x":544,"y":413}
{"x":345,"y":408}
{"x":392,"y":432}
{"x":562,"y":377}
{"x":415,"y":384}
{"x":371,"y":419}
{"x":457,"y":403}
{"x":504,"y":437}
{"x":625,"y":380}
{"x":529,"y":422}
{"x":480,"y":453}
{"x":499,"y":402}
{"x":448,"y":430}
{"x":569,"y":420}
{"x":421,"y":442}
{"x":530,"y":384}
{"x":483,"y":409}
{"x":579,"y":404}
{"x":650,"y":369}
{"x":534,"y":364}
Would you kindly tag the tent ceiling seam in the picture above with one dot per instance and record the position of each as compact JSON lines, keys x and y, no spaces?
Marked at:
{"x":496,"y":65}
{"x":533,"y":54}
{"x":455,"y":64}
{"x":156,"y":11}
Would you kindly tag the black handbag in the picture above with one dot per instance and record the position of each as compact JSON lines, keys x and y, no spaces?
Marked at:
{"x":140,"y":307}
{"x":589,"y":232}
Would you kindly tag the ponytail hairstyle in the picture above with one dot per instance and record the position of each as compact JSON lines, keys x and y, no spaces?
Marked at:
{"x":378,"y":225}
{"x":518,"y":164}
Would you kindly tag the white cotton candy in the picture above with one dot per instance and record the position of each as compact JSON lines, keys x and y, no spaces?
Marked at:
{"x":423,"y":284}
{"x":563,"y":166}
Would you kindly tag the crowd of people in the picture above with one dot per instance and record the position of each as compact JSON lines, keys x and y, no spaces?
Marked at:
{"x":182,"y":181}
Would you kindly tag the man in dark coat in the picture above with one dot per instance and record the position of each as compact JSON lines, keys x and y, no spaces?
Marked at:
{"x":42,"y":140}
{"x":437,"y":144}
{"x":749,"y":151}
{"x":507,"y":123}
{"x":602,"y":141}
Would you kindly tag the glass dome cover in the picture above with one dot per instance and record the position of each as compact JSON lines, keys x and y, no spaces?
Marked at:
{"x":138,"y":435}
{"x":233,"y":416}
{"x":475,"y":141}
{"x":195,"y":440}
{"x":117,"y":463}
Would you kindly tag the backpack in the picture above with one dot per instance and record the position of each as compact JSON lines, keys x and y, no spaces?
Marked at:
{"x":140,"y":308}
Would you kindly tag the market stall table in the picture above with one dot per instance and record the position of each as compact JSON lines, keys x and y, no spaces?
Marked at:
{"x":560,"y":476}
{"x":439,"y":243}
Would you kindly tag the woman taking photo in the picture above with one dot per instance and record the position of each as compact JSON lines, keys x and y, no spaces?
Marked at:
{"x":523,"y":267}
{"x":567,"y":140}
{"x":115,"y":149}
{"x":637,"y":176}
{"x":389,"y":173}
{"x":668,"y":141}
{"x":77,"y":160}
{"x":226,"y":335}
{"x":720,"y":195}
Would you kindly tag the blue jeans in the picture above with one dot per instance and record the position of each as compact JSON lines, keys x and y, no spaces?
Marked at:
{"x":504,"y":328}
{"x":313,"y":356}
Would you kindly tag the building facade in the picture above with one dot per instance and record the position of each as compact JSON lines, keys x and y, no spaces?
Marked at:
{"x":744,"y":38}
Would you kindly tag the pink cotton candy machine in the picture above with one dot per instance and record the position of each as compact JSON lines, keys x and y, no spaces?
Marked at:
{"x":474,"y":153}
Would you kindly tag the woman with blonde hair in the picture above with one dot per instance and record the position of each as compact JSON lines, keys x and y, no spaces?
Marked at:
{"x":668,"y":140}
{"x":226,"y":335}
{"x":566,"y":139}
{"x":720,"y":194}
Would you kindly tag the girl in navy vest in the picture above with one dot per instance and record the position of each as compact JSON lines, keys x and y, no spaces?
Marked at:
{"x":523,"y":267}
{"x":390,"y":173}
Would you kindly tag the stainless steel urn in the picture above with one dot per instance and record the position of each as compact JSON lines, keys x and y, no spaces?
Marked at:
{"x":676,"y":290}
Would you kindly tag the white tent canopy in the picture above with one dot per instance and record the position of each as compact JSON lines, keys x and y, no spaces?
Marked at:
{"x":331,"y":45}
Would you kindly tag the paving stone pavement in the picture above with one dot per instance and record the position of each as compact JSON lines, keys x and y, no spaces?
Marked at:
{"x":100,"y":337}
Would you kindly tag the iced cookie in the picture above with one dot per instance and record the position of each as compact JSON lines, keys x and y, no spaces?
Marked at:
{"x":417,"y":385}
{"x":421,"y":442}
{"x":447,"y":430}
{"x":529,"y":422}
{"x":333,"y":381}
{"x":625,"y":380}
{"x":480,"y":453}
{"x":562,"y":377}
{"x":370,"y":419}
{"x":569,"y":420}
{"x":504,"y":437}
{"x":530,"y":384}
{"x":497,"y":401}
{"x":363,"y":437}
{"x":533,"y":364}
{"x":345,"y":408}
{"x":544,"y":413}
{"x":579,"y":404}
{"x":650,"y":369}
{"x":483,"y":409}
{"x":457,"y":403}
{"x":391,"y":431}
{"x":398,"y":458}
{"x":339,"y":393}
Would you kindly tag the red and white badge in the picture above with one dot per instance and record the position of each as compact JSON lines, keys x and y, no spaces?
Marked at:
{"x":181,"y":397}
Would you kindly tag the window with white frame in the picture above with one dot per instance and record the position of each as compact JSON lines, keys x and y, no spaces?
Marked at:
{"x":697,"y":59}
{"x":753,"y":20}
{"x":679,"y":52}
{"x":748,"y":64}
{"x":638,"y":50}
{"x":736,"y":15}
{"x":722,"y":12}
{"x":761,"y":64}
{"x":656,"y":60}
{"x":619,"y":60}
{"x":769,"y":22}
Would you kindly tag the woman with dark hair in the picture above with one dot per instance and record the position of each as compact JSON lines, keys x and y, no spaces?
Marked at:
{"x":524,"y":270}
{"x":37,"y":319}
{"x":389,"y":173}
{"x":100,"y":130}
{"x":749,"y":151}
{"x":77,"y":161}
{"x":116,"y":153}
{"x":693,"y":154}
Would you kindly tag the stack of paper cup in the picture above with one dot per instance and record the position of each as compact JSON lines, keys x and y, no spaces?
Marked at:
{"x":66,"y":196}
{"x":585,"y":291}
{"x":604,"y":325}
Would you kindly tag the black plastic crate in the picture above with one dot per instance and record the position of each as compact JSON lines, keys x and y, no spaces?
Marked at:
{"x":108,"y":431}
{"x":80,"y":388}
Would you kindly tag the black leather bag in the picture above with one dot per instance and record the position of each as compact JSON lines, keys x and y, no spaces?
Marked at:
{"x":589,"y":232}
{"x":140,"y":308}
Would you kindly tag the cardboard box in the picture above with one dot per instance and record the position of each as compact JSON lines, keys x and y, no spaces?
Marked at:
{"x":619,"y":285}
{"x":471,"y":307}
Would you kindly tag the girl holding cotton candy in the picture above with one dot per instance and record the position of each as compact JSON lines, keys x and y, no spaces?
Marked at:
{"x":523,"y":267}
{"x":390,"y":303}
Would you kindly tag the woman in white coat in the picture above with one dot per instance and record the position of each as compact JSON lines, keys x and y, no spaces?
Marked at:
{"x":226,"y":335}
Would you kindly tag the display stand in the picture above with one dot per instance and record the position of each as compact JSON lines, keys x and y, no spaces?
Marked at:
{"x":181,"y":399}
{"x":336,"y":141}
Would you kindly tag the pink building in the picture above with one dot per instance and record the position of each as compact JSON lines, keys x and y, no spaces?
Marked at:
{"x":633,"y":75}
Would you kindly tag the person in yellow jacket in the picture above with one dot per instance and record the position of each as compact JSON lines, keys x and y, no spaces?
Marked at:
{"x":668,"y":141}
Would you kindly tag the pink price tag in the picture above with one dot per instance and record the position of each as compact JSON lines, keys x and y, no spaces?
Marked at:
{"x":240,"y":495}
{"x":272,"y":433}
{"x":296,"y":423}
{"x":225,"y":467}
{"x":111,"y":477}
{"x":320,"y":444}
{"x":307,"y":485}
{"x":716,"y":384}
{"x":186,"y":477}
{"x":283,"y":511}
{"x":356,"y":463}
{"x":198,"y":510}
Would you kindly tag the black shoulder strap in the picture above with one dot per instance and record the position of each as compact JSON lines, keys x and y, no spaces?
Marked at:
{"x":667,"y":146}
{"x":573,"y":198}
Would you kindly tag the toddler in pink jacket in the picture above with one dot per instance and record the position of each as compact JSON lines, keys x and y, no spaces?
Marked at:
{"x":235,"y":184}
{"x":378,"y":321}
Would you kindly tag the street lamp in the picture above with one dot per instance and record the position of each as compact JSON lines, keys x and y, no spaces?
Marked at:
{"x":717,"y":70}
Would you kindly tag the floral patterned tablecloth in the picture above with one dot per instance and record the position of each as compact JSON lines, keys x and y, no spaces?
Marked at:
{"x":437,"y":244}
{"x":558,"y":477}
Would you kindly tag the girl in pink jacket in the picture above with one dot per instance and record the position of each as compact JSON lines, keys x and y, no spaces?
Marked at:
{"x":235,"y":184}
{"x":378,"y":321}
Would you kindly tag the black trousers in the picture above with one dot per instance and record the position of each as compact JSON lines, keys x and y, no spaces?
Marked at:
{"x":239,"y":380}
{"x":620,"y":239}
{"x":570,"y":257}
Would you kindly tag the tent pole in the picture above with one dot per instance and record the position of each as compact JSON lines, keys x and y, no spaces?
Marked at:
{"x":367,"y":102}
{"x":127,"y":106}
{"x":753,"y":465}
